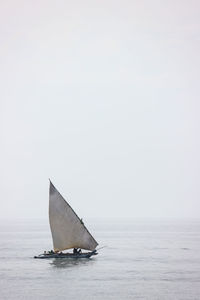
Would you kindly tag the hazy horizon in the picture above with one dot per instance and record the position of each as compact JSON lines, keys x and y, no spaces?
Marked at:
{"x":103,"y":98}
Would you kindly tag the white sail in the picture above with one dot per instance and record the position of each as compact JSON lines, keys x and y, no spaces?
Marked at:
{"x":68,"y":231}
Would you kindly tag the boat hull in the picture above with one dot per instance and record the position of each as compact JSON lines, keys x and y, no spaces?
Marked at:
{"x":67,"y":255}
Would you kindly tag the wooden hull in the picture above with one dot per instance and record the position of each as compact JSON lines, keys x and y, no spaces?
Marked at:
{"x":67,"y":255}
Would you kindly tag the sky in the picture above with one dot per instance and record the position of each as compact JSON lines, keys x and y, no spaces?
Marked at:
{"x":103,"y":98}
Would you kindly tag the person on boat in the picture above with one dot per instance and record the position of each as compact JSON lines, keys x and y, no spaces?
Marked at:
{"x":79,"y":250}
{"x":75,"y":251}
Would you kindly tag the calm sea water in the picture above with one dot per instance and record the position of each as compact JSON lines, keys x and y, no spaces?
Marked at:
{"x":142,"y":260}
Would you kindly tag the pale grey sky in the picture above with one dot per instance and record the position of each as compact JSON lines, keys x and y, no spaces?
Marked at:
{"x":103,"y":98}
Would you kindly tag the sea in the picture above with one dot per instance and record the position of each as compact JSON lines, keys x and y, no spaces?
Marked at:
{"x":140,"y":259}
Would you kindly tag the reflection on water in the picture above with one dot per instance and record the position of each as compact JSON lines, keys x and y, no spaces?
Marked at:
{"x":70,"y":262}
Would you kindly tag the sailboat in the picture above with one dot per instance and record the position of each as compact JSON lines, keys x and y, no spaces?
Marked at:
{"x":68,"y":230}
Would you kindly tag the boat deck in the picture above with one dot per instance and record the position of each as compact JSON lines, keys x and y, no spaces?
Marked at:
{"x":66,"y":255}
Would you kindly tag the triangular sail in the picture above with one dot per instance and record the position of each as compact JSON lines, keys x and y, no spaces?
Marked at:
{"x":67,"y":229}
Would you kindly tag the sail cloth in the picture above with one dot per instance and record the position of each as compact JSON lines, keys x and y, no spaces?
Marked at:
{"x":67,"y":229}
